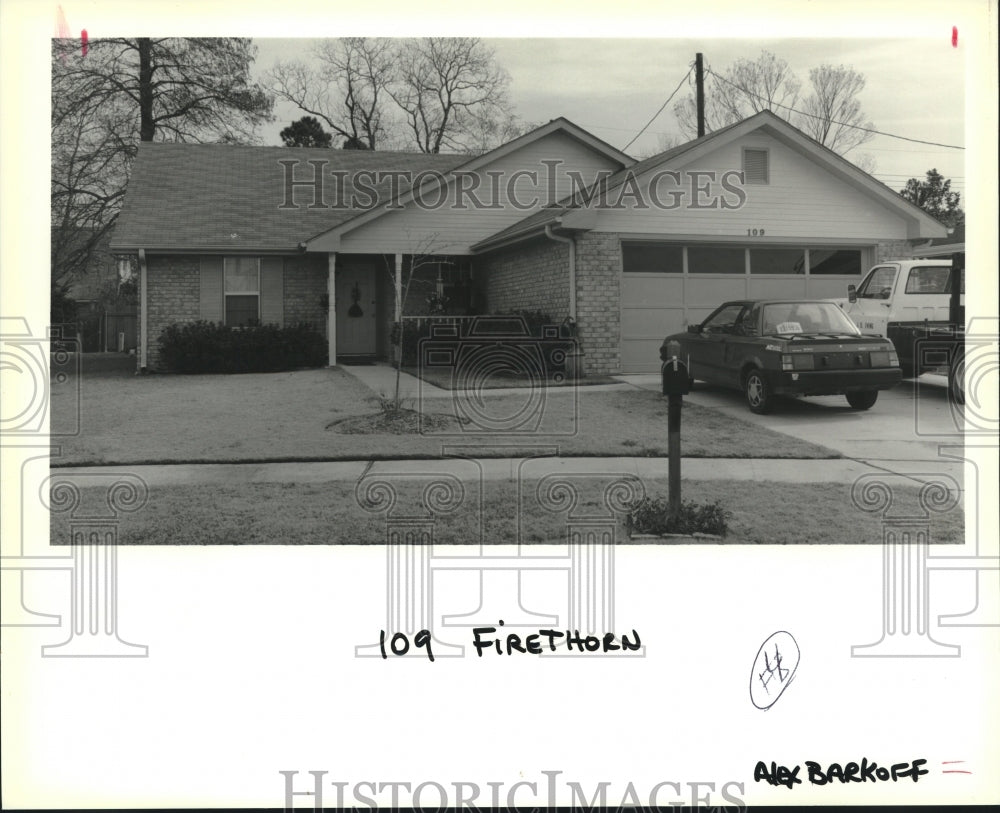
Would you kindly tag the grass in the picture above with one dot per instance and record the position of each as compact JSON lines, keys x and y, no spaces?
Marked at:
{"x":296,"y":415}
{"x":761,"y":513}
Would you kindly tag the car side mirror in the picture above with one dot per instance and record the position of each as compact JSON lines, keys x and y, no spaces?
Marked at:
{"x":694,"y":328}
{"x":852,"y":293}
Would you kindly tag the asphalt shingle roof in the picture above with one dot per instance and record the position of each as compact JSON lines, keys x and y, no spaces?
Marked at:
{"x":198,"y":196}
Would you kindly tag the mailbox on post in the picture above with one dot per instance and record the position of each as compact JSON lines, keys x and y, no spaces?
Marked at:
{"x":675,"y":377}
{"x":676,"y":383}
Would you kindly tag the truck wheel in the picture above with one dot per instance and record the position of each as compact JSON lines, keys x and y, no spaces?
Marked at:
{"x":862,"y":400}
{"x":956,"y":382}
{"x":758,"y":392}
{"x":908,"y":370}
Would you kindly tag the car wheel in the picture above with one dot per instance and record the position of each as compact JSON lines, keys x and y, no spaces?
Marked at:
{"x":956,"y":382}
{"x":862,"y":400}
{"x":758,"y":392}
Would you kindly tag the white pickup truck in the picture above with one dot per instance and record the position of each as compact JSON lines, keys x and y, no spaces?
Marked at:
{"x":914,"y":304}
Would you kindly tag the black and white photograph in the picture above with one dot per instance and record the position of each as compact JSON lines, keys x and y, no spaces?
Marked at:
{"x":403,"y":379}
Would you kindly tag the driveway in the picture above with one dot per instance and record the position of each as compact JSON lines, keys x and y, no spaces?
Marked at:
{"x":901,"y":433}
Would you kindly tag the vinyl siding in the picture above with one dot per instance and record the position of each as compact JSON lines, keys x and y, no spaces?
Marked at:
{"x":802,"y":202}
{"x":450,"y":230}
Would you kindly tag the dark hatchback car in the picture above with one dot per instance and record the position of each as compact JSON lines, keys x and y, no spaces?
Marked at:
{"x":787,"y":347}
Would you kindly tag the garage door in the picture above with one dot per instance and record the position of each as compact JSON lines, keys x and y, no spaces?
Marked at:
{"x":666,"y":286}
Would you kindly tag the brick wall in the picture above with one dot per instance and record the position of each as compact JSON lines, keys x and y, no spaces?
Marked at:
{"x":172,"y":297}
{"x":535,"y":277}
{"x":598,"y":300}
{"x":174,"y":290}
{"x":305,"y":287}
{"x":531,"y":277}
{"x":892,"y":249}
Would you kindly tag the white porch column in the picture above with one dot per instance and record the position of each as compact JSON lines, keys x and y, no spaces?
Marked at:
{"x":143,"y":312}
{"x":331,"y":315}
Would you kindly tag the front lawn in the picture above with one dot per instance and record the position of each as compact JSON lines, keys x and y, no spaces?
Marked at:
{"x":328,"y":514}
{"x":447,"y":379}
{"x":300,"y":415}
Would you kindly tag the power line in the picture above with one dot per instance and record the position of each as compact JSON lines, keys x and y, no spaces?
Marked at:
{"x":657,"y":113}
{"x":839,"y":123}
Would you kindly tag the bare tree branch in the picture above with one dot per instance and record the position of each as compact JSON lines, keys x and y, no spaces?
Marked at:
{"x":448,"y":87}
{"x":831,"y":114}
{"x":124,"y":91}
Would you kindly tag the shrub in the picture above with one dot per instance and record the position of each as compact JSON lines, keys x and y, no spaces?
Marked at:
{"x":652,"y":516}
{"x":209,"y":347}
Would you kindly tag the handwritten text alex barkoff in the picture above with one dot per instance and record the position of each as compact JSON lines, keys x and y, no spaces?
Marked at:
{"x":864,"y":771}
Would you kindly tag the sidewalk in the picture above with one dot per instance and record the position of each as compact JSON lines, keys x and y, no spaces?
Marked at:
{"x":498,"y":469}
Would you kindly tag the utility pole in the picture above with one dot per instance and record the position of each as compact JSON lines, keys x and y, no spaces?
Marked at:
{"x":699,"y":83}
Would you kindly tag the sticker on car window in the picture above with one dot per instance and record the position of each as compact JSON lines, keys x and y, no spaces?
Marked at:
{"x":789,"y":327}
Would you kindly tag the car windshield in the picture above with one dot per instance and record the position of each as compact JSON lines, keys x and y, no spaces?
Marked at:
{"x":806,"y":317}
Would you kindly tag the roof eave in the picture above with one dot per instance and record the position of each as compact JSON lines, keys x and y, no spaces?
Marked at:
{"x":207,"y":249}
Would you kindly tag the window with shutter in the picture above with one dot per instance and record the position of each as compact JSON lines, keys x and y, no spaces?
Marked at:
{"x":242,"y":291}
{"x":755,"y":166}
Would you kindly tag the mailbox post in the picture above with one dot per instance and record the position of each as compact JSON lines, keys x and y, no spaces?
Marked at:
{"x":676,"y":385}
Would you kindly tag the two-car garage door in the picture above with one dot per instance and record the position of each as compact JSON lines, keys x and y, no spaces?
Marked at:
{"x":666,"y":286}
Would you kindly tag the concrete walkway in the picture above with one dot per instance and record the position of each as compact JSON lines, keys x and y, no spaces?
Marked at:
{"x":381,"y":378}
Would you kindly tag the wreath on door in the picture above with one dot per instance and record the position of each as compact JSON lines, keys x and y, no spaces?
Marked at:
{"x":355,"y":309}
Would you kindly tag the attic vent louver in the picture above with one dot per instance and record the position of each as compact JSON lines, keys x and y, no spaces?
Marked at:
{"x":755,"y":166}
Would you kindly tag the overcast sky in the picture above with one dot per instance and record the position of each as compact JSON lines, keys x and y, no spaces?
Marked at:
{"x":612,"y":87}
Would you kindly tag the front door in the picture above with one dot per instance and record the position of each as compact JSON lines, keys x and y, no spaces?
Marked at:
{"x":356,"y":333}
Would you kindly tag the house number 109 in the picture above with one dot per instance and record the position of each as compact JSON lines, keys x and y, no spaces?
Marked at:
{"x":755,"y":232}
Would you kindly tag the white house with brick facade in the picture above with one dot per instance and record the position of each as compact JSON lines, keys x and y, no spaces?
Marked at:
{"x":555,"y":221}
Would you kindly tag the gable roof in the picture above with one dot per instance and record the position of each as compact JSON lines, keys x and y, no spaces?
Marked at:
{"x":211,"y":197}
{"x":221,"y":197}
{"x":561,"y":125}
{"x":921,"y":223}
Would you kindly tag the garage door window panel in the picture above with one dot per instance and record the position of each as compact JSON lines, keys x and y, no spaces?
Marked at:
{"x":652,"y":258}
{"x":777,"y":261}
{"x":845,"y":262}
{"x":716,"y":260}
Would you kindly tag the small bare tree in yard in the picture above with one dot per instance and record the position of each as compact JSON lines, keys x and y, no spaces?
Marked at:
{"x":424,"y":256}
